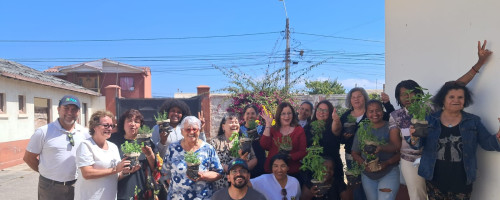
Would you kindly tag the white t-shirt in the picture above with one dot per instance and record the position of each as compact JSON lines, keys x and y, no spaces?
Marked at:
{"x":57,"y":156}
{"x":89,"y":154}
{"x":271,"y":189}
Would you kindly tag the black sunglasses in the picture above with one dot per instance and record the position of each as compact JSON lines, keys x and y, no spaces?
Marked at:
{"x":283,"y":192}
{"x":108,"y":125}
{"x":70,"y":138}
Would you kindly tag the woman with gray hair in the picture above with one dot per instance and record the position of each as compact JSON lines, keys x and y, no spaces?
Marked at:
{"x":175,"y":165}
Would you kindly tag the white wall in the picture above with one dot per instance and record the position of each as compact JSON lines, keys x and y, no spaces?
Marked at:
{"x":433,"y":42}
{"x":14,"y":126}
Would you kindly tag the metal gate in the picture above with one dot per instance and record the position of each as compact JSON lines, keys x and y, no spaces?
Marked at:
{"x":150,"y":107}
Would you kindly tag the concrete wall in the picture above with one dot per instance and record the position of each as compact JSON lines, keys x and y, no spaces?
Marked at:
{"x":435,"y":41}
{"x":16,"y":129}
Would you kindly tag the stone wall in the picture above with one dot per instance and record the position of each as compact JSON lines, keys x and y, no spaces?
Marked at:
{"x":220,"y":102}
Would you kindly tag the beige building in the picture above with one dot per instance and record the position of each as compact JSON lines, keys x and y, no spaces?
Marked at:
{"x":28,"y":100}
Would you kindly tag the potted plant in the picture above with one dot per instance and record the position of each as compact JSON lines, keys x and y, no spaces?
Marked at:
{"x":368,"y":144}
{"x":163,"y":123}
{"x":419,"y":108}
{"x":144,"y":135}
{"x":132,"y":150}
{"x":252,"y":130}
{"x":313,"y":161}
{"x":350,"y":125}
{"x":193,"y":163}
{"x":284,"y":144}
{"x":353,"y":175}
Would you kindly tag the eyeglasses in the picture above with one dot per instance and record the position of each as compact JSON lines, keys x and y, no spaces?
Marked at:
{"x":283,"y":192}
{"x":108,"y":125}
{"x":191,"y":129}
{"x":322,"y":110}
{"x":70,"y":138}
{"x":240,"y":171}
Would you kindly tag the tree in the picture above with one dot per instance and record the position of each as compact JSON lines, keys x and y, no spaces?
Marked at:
{"x":325,"y":87}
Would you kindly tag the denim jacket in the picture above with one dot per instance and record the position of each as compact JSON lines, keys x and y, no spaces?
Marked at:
{"x":473,"y":133}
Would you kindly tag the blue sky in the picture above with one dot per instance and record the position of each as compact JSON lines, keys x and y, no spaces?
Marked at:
{"x":178,"y":43}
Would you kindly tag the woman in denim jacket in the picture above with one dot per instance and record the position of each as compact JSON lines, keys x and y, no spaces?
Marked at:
{"x":449,"y":160}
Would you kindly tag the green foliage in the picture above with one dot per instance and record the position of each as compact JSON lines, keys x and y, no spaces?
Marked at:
{"x":131,"y":147}
{"x":161,"y":116}
{"x":365,"y":135}
{"x":259,"y":99}
{"x":356,"y":169}
{"x":285,"y":143}
{"x":340,"y":109}
{"x":314,"y":162}
{"x":236,"y":145}
{"x":144,"y":130}
{"x":253,"y":124}
{"x":324,"y":87}
{"x":192,"y":157}
{"x":317,"y":128}
{"x":374,"y":96}
{"x":351,"y":119}
{"x":420,"y":104}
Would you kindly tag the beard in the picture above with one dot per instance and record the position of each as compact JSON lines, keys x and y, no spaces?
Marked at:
{"x":241,"y":184}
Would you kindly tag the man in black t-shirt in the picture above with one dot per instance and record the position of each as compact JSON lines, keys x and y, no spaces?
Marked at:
{"x":238,"y":177}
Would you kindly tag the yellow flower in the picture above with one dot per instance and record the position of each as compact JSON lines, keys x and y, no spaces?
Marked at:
{"x":273,"y":123}
{"x":257,"y":121}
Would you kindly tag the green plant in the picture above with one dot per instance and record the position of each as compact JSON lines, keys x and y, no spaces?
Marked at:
{"x":314,"y":162}
{"x":420,"y":105}
{"x":365,"y":136}
{"x":161,"y":116}
{"x":356,"y":169}
{"x":131,"y":147}
{"x":192,"y":157}
{"x":327,"y":87}
{"x":144,"y":130}
{"x":285,"y":143}
{"x":340,"y":109}
{"x":351,"y":119}
{"x":317,"y":128}
{"x":252,"y":124}
{"x":235,"y":139}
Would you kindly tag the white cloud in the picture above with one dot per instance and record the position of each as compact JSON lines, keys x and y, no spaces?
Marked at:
{"x":364,"y":83}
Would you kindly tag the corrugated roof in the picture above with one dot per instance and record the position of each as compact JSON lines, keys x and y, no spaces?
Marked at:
{"x":96,"y":65}
{"x":18,"y":71}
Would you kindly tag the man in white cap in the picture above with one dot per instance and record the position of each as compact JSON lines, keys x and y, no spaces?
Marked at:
{"x":51,"y":151}
{"x":238,"y":176}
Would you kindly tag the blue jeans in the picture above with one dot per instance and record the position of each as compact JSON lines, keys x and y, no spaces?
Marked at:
{"x":389,"y":181}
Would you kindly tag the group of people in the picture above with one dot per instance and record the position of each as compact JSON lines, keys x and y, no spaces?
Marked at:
{"x":76,"y":163}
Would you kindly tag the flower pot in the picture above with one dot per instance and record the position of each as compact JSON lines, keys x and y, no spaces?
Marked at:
{"x":192,"y":170}
{"x":285,"y":150}
{"x":252,"y":134}
{"x":245,"y":145}
{"x":373,"y":165}
{"x":353,"y":180}
{"x":133,"y":157}
{"x":420,"y":128}
{"x":350,"y":128}
{"x":370,"y":147}
{"x":146,"y":138}
{"x":165,"y":126}
{"x":323,"y":188}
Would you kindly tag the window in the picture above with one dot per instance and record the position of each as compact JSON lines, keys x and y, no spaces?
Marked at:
{"x":2,"y":103}
{"x":22,"y":104}
{"x":127,"y":83}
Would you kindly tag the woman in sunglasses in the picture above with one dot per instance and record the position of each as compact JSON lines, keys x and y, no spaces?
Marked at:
{"x":199,"y":186}
{"x":277,"y":185}
{"x":99,"y":161}
{"x":140,"y":176}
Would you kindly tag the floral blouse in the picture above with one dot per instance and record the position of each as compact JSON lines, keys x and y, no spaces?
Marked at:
{"x":222,"y":147}
{"x":181,"y":187}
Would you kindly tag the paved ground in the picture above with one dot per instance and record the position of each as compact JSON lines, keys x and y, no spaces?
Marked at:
{"x":18,"y":182}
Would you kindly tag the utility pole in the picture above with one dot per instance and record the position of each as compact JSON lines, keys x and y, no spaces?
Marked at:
{"x":287,"y":55}
{"x":287,"y":51}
